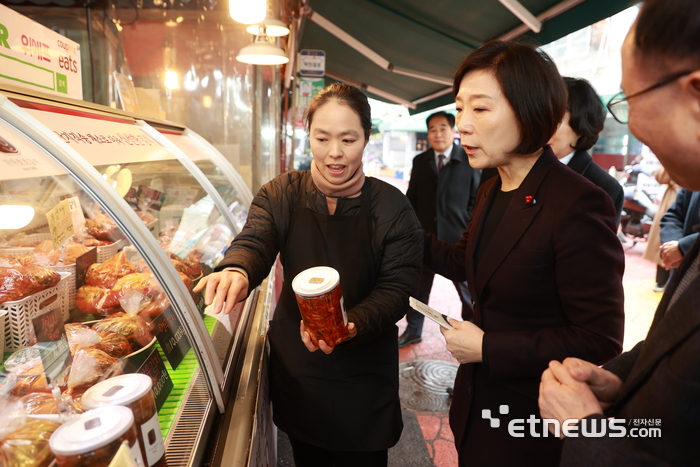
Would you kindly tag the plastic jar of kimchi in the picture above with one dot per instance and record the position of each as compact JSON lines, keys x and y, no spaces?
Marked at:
{"x":132,"y":391}
{"x":92,"y":439}
{"x":321,"y":304}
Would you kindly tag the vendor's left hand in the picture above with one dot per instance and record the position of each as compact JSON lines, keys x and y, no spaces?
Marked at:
{"x":464,"y":341}
{"x":325,"y":348}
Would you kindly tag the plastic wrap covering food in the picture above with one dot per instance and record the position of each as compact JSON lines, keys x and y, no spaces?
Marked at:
{"x":25,"y":372}
{"x":81,"y":336}
{"x":108,"y":273}
{"x":45,"y":254}
{"x":21,"y":281}
{"x":187,"y":266}
{"x":44,"y":403}
{"x":28,"y":446}
{"x":90,"y":298}
{"x":114,"y":344}
{"x":91,"y":366}
{"x":133,"y":327}
{"x":102,"y":227}
{"x":144,"y":283}
{"x":90,"y":241}
{"x":154,"y":307}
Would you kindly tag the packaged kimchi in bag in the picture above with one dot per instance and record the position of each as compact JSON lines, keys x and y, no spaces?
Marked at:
{"x":108,"y":273}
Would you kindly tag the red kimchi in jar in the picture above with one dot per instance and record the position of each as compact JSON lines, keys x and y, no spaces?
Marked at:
{"x":320,"y":300}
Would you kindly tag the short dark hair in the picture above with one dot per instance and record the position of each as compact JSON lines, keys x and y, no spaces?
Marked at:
{"x":346,"y":95}
{"x":669,"y":31}
{"x":450,"y":118}
{"x":587,"y":114}
{"x":530,"y":82}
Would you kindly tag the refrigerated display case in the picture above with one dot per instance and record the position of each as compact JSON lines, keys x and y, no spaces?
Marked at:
{"x":117,"y":218}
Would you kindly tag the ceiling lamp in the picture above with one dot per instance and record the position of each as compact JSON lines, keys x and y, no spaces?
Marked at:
{"x":261,"y":52}
{"x":271,"y":26}
{"x":247,"y":11}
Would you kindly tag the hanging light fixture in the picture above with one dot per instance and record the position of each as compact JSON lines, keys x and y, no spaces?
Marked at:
{"x":262,"y":52}
{"x":247,"y":11}
{"x":272,"y":27}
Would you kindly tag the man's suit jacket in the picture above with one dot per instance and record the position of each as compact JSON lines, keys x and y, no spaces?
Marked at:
{"x":443,"y":203}
{"x":584,"y":164}
{"x":548,"y":286}
{"x":678,"y":222}
{"x":661,"y":381}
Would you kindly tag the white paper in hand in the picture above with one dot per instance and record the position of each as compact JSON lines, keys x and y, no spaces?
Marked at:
{"x":430,"y":313}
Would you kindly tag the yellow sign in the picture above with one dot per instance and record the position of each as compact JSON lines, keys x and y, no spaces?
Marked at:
{"x":123,"y":457}
{"x":60,"y":223}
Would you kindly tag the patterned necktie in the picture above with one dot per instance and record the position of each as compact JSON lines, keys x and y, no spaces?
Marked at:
{"x":441,"y":162}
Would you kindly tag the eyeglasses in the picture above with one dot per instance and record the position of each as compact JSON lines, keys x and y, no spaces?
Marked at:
{"x":619,"y":105}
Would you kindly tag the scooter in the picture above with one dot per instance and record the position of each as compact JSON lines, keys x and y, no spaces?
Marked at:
{"x":638,"y":210}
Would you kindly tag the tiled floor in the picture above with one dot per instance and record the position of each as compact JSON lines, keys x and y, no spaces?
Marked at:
{"x":640,"y":304}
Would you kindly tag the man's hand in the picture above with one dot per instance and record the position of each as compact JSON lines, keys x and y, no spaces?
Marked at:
{"x":325,"y":348}
{"x":464,"y":341}
{"x":671,"y":254}
{"x":564,"y":398}
{"x":604,"y":384}
{"x":229,"y":287}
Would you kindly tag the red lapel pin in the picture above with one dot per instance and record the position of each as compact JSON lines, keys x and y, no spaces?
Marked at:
{"x":529,"y":200}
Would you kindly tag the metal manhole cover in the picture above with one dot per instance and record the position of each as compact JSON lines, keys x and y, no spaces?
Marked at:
{"x":423,"y":385}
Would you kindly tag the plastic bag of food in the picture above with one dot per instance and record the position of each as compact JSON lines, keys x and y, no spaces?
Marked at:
{"x":28,"y":446}
{"x":133,"y":327}
{"x":154,"y":307}
{"x":108,"y":273}
{"x":187,"y":266}
{"x":80,"y":336}
{"x":90,"y":300}
{"x":91,"y":366}
{"x":22,"y":281}
{"x":143,"y":283}
{"x":50,"y":403}
{"x":114,"y":344}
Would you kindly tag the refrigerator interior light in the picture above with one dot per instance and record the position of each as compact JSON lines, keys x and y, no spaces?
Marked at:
{"x":261,"y":52}
{"x":15,"y":216}
{"x":247,"y":11}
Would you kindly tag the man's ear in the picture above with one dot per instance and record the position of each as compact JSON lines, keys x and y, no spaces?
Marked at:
{"x":692,"y":93}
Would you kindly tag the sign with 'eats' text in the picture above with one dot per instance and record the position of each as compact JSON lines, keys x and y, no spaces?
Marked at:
{"x":35,"y":57}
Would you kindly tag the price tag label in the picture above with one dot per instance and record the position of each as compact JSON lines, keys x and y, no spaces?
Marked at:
{"x":172,"y":337}
{"x":53,"y":344}
{"x":60,"y":223}
{"x":149,"y":363}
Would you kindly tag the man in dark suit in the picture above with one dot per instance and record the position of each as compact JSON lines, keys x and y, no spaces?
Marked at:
{"x":442,"y":191}
{"x":677,"y":227}
{"x":659,"y":379}
{"x":578,"y":132}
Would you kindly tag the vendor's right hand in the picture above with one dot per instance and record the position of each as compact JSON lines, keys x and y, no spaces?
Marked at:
{"x":225,"y":289}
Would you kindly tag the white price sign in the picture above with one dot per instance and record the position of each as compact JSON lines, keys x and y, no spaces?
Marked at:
{"x":312,"y":62}
{"x":35,"y":57}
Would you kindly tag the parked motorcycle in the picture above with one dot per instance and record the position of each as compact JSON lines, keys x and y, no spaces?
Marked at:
{"x":638,"y":209}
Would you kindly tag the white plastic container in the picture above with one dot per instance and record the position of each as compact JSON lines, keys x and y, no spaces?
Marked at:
{"x":95,"y":437}
{"x":132,"y":391}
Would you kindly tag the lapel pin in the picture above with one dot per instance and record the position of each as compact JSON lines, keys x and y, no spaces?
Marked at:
{"x":530,"y":200}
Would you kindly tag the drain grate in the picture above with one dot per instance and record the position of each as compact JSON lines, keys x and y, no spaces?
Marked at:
{"x":423,"y":385}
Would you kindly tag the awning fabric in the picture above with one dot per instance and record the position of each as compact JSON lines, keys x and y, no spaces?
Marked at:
{"x":430,"y":36}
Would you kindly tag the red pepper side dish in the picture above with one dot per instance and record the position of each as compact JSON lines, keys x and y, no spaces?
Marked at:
{"x":321,"y":305}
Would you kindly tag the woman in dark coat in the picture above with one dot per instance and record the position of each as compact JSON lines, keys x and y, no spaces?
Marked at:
{"x":541,"y":257}
{"x":339,"y":406}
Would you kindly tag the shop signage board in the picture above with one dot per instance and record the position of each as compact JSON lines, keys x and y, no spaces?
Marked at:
{"x":103,"y":142}
{"x":312,"y":63}
{"x":21,"y":158}
{"x":35,"y":57}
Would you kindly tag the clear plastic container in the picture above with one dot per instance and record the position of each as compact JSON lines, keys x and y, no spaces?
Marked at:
{"x":321,"y":304}
{"x":132,"y":391}
{"x":92,"y":439}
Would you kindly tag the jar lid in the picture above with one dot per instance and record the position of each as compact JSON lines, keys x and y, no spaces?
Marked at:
{"x":92,"y":430}
{"x":119,"y":390}
{"x":315,"y":281}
